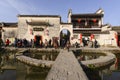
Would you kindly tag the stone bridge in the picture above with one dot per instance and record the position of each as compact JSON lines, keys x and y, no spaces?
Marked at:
{"x":66,"y":67}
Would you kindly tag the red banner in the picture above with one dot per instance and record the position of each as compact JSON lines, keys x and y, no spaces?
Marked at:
{"x":80,"y":38}
{"x":92,"y":37}
{"x":116,"y":37}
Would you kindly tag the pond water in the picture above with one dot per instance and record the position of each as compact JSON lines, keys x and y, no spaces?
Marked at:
{"x":8,"y":75}
{"x":83,"y":56}
{"x":26,"y":72}
{"x":113,"y":76}
{"x":114,"y":72}
{"x":22,"y":71}
{"x":110,"y":72}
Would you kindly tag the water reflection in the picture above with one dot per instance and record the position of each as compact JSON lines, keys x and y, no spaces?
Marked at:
{"x":11,"y":69}
{"x":26,"y":72}
{"x":112,"y":76}
{"x":114,"y":71}
{"x":88,"y":56}
{"x":7,"y":68}
{"x":8,"y":75}
{"x":108,"y":72}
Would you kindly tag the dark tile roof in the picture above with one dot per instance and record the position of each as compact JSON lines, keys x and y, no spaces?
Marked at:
{"x":86,"y":15}
{"x":39,"y":23}
{"x":93,"y":31}
{"x":5,"y":24}
{"x":115,"y":27}
{"x":38,"y":16}
{"x":67,"y":23}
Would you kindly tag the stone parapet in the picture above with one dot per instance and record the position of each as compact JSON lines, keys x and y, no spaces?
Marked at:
{"x":34,"y":62}
{"x":101,"y":61}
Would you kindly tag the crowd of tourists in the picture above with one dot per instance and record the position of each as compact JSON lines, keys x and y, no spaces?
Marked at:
{"x":24,"y":43}
{"x":20,"y":43}
{"x":87,"y":43}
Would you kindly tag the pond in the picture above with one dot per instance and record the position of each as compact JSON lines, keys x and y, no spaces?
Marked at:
{"x":23,"y":71}
{"x":8,"y":75}
{"x":43,"y":54}
{"x":83,"y":56}
{"x":109,"y":72}
{"x":114,"y":72}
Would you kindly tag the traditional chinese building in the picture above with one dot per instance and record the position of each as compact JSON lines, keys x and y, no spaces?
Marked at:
{"x":79,"y":27}
{"x":8,"y":30}
{"x":42,"y":27}
{"x":86,"y":25}
{"x":90,"y":27}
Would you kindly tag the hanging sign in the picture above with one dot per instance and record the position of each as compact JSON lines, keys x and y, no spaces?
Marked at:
{"x":38,"y":29}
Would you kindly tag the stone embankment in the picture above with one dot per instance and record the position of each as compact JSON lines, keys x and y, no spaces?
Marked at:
{"x":34,"y":62}
{"x":101,"y":61}
{"x":66,"y":67}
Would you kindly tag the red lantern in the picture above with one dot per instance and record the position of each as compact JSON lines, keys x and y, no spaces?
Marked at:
{"x":79,"y":20}
{"x":94,"y":20}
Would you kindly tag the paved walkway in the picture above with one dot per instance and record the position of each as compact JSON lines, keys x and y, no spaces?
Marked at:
{"x":66,"y":67}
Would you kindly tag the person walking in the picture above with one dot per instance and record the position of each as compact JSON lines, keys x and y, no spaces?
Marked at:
{"x":7,"y":42}
{"x":95,"y":43}
{"x":46,"y":43}
{"x":68,"y":45}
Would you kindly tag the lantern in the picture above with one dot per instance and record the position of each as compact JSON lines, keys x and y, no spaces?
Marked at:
{"x":94,"y":20}
{"x":79,"y":20}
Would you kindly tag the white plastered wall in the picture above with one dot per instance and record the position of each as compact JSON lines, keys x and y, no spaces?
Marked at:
{"x":106,"y":39}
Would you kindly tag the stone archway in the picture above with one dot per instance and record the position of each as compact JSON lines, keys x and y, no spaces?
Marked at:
{"x":64,"y":37}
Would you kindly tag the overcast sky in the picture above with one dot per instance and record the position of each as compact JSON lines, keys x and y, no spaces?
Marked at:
{"x":9,"y":9}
